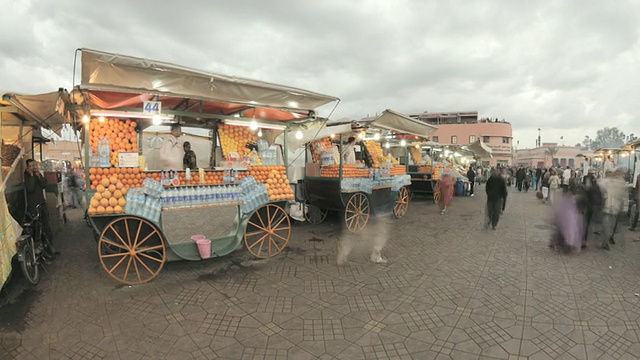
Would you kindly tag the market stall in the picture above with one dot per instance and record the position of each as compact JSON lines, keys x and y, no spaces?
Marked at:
{"x":374,"y":181}
{"x":21,"y":118}
{"x":237,"y":192}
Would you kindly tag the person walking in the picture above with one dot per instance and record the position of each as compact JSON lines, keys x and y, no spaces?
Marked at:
{"x":614,"y":196}
{"x":554,"y":185}
{"x":496,"y":189}
{"x":538,"y":179}
{"x":566,"y":177}
{"x":471,"y":175}
{"x":520,"y":175}
{"x":594,"y":204}
{"x":544,"y":186}
{"x":636,"y":199}
{"x":446,"y":191}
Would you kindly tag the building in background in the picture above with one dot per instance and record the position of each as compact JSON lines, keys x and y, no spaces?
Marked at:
{"x":465,"y":128}
{"x":563,"y":156}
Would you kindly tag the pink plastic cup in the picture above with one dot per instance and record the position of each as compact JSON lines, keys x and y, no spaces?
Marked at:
{"x":198,"y":237}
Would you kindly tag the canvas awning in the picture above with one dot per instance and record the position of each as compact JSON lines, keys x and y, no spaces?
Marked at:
{"x":118,"y":81}
{"x":480,"y":149}
{"x":46,"y":110}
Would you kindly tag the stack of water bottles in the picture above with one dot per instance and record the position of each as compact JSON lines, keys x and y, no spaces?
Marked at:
{"x":143,"y":205}
{"x":269,"y":157}
{"x":254,"y":194}
{"x":194,"y":196}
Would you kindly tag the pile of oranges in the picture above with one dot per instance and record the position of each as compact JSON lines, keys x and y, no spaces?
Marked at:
{"x":129,"y":177}
{"x":375,"y":150}
{"x":348,"y":171}
{"x":109,"y":197}
{"x":318,"y":146}
{"x":416,"y":155}
{"x":122,"y":136}
{"x":398,"y":170}
{"x":235,"y":139}
{"x":277,"y":184}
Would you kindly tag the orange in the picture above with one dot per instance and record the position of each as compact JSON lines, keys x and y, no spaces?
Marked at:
{"x":106,"y":194}
{"x":117,"y":193}
{"x":94,"y":203}
{"x":118,"y":209}
{"x":92,"y":211}
{"x":122,"y":202}
{"x":99,"y":171}
{"x":109,"y":210}
{"x":100,"y":188}
{"x":113,"y":180}
{"x":113,"y":201}
{"x":100,"y":210}
{"x":92,"y":171}
{"x":104,"y":202}
{"x":119,"y":185}
{"x":124,"y":191}
{"x":105,"y":182}
{"x":112,"y":188}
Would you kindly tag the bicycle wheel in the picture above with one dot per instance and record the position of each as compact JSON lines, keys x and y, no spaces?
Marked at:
{"x":47,"y":248}
{"x":29,"y":265}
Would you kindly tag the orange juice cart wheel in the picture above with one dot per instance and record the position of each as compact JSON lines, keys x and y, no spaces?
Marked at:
{"x":268,"y":231}
{"x":314,"y":215}
{"x":436,"y":193}
{"x":356,"y":214}
{"x":402,"y":203}
{"x":132,"y":250}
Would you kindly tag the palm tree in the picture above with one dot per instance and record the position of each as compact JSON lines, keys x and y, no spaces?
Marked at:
{"x":551,"y":151}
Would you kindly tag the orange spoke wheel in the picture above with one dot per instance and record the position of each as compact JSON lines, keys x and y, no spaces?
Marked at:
{"x":314,"y":215}
{"x":268,"y":231}
{"x":356,"y":214}
{"x":132,"y":250}
{"x":436,"y":193}
{"x":402,"y":203}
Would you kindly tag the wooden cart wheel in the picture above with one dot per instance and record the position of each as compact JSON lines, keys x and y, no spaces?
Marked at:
{"x":132,"y":250}
{"x":436,"y":193}
{"x":268,"y":231}
{"x":314,"y":215}
{"x":356,"y":214}
{"x":402,"y":203}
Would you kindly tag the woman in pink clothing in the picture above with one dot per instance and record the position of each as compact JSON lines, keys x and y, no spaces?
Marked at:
{"x":446,"y":191}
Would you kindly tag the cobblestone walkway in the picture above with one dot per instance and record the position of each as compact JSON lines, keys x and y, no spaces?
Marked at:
{"x":451,"y":290}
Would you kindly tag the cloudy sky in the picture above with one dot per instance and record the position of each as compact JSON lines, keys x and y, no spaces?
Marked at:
{"x":567,"y":67}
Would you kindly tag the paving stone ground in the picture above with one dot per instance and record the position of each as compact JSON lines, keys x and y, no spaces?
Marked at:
{"x":451,"y":290}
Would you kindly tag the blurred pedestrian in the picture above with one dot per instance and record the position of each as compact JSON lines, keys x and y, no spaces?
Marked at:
{"x":446,"y":191}
{"x":471,"y":175}
{"x":496,"y":190}
{"x":372,"y":238}
{"x":614,"y":197}
{"x":554,"y":185}
{"x":568,"y":221}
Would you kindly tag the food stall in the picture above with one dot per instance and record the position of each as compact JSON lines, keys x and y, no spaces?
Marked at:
{"x":21,"y":117}
{"x":145,"y":214}
{"x":375,"y":183}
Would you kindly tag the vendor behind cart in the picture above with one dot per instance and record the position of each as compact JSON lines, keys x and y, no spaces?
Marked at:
{"x":172,"y":152}
{"x":349,"y":151}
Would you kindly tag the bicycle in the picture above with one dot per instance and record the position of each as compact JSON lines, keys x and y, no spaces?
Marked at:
{"x":34,"y":249}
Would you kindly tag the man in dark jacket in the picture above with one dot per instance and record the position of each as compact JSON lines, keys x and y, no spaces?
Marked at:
{"x":496,"y":189}
{"x":471,"y":175}
{"x":520,"y":177}
{"x":35,"y":184}
{"x":636,"y":199}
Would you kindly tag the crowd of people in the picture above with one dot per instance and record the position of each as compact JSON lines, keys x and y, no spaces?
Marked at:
{"x":583,"y":204}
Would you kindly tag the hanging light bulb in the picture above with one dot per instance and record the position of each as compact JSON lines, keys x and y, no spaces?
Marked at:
{"x":361,"y":136}
{"x":101,"y":119}
{"x":260,"y":133}
{"x":333,"y":136}
{"x":386,"y":145}
{"x":298,"y":134}
{"x":417,"y":146}
{"x":85,"y":119}
{"x":253,"y":125}
{"x":403,"y":143}
{"x":156,"y":120}
{"x":376,"y":136}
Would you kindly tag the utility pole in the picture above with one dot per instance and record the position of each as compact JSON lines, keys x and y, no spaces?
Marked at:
{"x":539,"y":138}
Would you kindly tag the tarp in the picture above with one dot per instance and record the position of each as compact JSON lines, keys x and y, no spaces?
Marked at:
{"x":120,"y":73}
{"x":47,"y":110}
{"x":480,"y":149}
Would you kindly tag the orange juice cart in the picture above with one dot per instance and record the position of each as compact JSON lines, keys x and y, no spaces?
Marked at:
{"x":144,"y":214}
{"x":376,"y":183}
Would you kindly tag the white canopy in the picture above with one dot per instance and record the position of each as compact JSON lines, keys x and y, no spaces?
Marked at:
{"x":480,"y":149}
{"x":120,"y":73}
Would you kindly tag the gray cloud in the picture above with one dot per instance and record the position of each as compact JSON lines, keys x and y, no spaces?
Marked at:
{"x":568,"y":67}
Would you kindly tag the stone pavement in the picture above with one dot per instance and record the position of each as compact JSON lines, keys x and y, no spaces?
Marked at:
{"x":451,"y":290}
